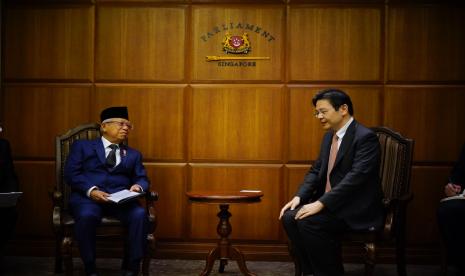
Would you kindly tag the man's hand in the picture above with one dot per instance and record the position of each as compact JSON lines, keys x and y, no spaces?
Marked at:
{"x":452,"y":189}
{"x":135,"y":188}
{"x":309,"y":209}
{"x":99,"y":196}
{"x":291,"y":204}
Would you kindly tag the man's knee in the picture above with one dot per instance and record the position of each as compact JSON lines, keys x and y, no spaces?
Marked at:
{"x":87,"y":217}
{"x":288,"y":219}
{"x":138,"y":214}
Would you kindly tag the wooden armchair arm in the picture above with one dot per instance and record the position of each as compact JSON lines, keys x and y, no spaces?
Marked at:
{"x":392,"y":207}
{"x":57,"y":198}
{"x":151,"y":196}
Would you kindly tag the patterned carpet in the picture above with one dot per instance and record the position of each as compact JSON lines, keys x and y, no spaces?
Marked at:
{"x":33,"y":266}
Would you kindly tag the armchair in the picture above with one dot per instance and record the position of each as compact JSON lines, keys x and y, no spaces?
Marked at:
{"x":395,"y":168}
{"x":63,"y":222}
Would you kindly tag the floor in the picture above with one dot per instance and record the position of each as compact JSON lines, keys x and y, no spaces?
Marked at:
{"x":36,"y":266}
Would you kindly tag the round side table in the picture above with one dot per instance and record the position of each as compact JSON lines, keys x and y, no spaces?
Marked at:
{"x":224,"y":251}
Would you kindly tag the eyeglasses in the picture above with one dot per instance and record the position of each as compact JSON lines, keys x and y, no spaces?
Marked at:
{"x":121,"y":124}
{"x":317,"y":113}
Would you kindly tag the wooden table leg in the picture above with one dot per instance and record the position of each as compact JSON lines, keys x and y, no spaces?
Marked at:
{"x":223,"y":250}
{"x":212,"y":256}
{"x":239,"y":257}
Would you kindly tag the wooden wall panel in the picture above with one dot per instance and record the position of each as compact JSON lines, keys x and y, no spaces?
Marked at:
{"x":169,"y":181}
{"x":295,"y":175}
{"x":265,"y":29}
{"x":305,"y":132}
{"x":35,"y":115}
{"x":158,"y":115}
{"x":429,"y":115}
{"x":258,"y":221}
{"x":334,"y":43}
{"x":426,"y":43}
{"x":49,"y":43}
{"x":140,"y":43}
{"x":36,"y":180}
{"x":427,"y":187}
{"x":237,"y":122}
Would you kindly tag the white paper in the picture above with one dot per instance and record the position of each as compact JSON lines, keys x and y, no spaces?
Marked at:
{"x":123,"y":195}
{"x":250,"y":191}
{"x":9,"y":199}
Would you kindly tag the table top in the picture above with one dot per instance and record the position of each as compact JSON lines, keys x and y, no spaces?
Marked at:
{"x":225,"y":197}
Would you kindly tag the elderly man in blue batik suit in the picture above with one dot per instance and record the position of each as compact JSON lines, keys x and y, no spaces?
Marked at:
{"x":94,"y":170}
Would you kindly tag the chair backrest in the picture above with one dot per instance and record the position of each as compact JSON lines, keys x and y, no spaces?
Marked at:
{"x":63,"y":144}
{"x":395,"y":170}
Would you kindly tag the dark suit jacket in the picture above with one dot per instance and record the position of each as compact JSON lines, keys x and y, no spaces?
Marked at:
{"x":85,"y":168}
{"x":8,"y":179}
{"x":457,"y":175}
{"x":356,"y":194}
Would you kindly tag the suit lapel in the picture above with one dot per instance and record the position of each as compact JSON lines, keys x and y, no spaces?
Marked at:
{"x":327,"y":146}
{"x":346,"y":142}
{"x":124,"y":155}
{"x":98,"y":147}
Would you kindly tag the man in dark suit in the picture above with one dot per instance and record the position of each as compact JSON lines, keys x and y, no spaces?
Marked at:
{"x":451,"y":216}
{"x":8,"y":183}
{"x":340,"y":192}
{"x":94,"y":170}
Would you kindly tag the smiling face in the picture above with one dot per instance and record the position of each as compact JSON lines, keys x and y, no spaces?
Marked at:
{"x":329,"y":117}
{"x":116,"y":130}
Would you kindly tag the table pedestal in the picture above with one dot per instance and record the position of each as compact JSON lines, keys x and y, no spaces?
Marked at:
{"x":224,"y":250}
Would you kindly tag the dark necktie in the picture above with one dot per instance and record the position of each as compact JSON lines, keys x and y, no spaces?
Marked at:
{"x":332,"y":159}
{"x":111,"y":158}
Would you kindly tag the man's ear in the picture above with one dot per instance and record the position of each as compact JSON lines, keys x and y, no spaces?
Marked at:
{"x":344,"y":108}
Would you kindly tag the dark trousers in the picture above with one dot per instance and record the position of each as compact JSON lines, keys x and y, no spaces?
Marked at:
{"x":133,"y":216}
{"x":8,"y":216}
{"x":451,"y":222}
{"x":316,"y":241}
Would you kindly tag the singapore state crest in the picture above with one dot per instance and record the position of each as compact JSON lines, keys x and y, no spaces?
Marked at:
{"x":236,"y":44}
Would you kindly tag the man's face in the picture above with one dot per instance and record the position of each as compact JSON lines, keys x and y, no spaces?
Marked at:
{"x":116,"y":130}
{"x":328,"y":116}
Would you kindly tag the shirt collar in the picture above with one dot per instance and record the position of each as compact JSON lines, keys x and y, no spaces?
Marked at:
{"x":341,"y":132}
{"x":105,"y":142}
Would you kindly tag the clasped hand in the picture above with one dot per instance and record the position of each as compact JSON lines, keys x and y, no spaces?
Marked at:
{"x":452,"y":189}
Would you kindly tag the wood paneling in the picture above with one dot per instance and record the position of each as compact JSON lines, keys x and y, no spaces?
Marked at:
{"x":36,"y":180}
{"x":157,"y":112}
{"x":236,"y":122}
{"x":264,"y":26}
{"x":334,"y":43}
{"x":169,"y":181}
{"x":426,"y":43}
{"x":305,"y":132}
{"x":35,"y":115}
{"x":249,"y":221}
{"x":140,"y":43}
{"x":432,"y":116}
{"x":49,"y":43}
{"x":295,"y":175}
